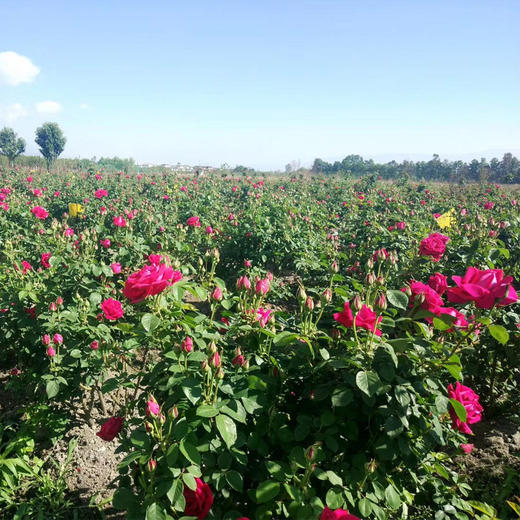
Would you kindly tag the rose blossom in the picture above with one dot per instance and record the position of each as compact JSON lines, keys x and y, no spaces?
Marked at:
{"x":198,"y":502}
{"x":365,"y":318}
{"x":112,"y":309}
{"x":150,"y":280}
{"x":486,"y":288}
{"x":116,"y":267}
{"x":193,"y":222}
{"x":39,"y":212}
{"x":434,"y":246}
{"x":337,"y":514}
{"x":110,"y":429}
{"x":439,"y":283}
{"x":470,"y":400}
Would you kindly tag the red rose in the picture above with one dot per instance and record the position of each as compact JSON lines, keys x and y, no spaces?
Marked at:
{"x":432,"y":302}
{"x":337,"y":514}
{"x":45,"y":260}
{"x":470,"y":400}
{"x":112,"y":309}
{"x":365,"y":318}
{"x":198,"y":502}
{"x":439,"y":283}
{"x":485,"y":288}
{"x":110,"y":429}
{"x":434,"y":246}
{"x":39,"y":212}
{"x":150,"y":280}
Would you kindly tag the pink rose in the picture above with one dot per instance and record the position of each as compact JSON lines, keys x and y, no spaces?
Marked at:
{"x":112,"y":309}
{"x":486,"y":288}
{"x":432,"y":302}
{"x":119,"y":221}
{"x":470,"y":400}
{"x":467,"y":448}
{"x":439,"y":283}
{"x":152,"y":407}
{"x":262,"y":286}
{"x":263,"y":316}
{"x":337,"y":514}
{"x":116,"y":267}
{"x":45,"y":260}
{"x":149,"y":281}
{"x":193,"y":222}
{"x":365,"y":318}
{"x":434,"y":246}
{"x":39,"y":212}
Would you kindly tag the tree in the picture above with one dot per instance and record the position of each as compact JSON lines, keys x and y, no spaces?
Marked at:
{"x":51,"y":141}
{"x":11,"y":145}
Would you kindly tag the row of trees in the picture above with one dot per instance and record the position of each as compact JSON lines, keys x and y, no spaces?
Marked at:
{"x":505,"y":171}
{"x":49,"y":138}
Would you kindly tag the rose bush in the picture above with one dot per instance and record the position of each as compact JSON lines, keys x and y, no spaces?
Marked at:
{"x":300,"y":356}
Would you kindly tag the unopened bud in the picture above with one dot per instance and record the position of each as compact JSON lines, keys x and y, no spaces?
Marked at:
{"x":381,"y":303}
{"x":380,"y":280}
{"x":370,"y":263}
{"x":357,"y":303}
{"x":302,"y":295}
{"x":326,"y":296}
{"x":371,"y":278}
{"x":173,"y":412}
{"x":151,"y":465}
{"x":309,"y":303}
{"x":220,"y":373}
{"x":334,"y":267}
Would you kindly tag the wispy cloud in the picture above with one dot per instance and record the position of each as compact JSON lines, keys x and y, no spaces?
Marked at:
{"x":16,"y":69}
{"x":83,"y":106}
{"x":48,"y":107}
{"x":12,"y":113}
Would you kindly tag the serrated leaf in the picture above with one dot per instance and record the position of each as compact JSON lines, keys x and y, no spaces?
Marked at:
{"x":368,"y":382}
{"x":52,"y":388}
{"x":190,"y":452}
{"x":227,"y":429}
{"x":499,"y":333}
{"x":397,"y":298}
{"x":150,"y":322}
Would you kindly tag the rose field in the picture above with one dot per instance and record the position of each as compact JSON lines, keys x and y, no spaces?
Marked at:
{"x":253,"y":348}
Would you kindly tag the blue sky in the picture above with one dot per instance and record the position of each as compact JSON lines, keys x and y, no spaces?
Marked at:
{"x":265,"y":82}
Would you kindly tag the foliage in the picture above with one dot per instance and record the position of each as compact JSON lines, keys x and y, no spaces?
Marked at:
{"x":51,"y":141}
{"x":11,"y":145}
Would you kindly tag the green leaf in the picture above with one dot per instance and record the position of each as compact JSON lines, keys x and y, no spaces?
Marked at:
{"x":190,"y":452}
{"x":75,"y":353}
{"x":342,"y":397}
{"x":235,"y":480}
{"x":190,"y":481}
{"x":499,"y":333}
{"x":266,"y":491}
{"x":392,"y":497}
{"x":124,"y":499}
{"x":365,"y":507}
{"x":397,"y":299}
{"x":205,"y":410}
{"x":150,"y":322}
{"x":454,"y":366}
{"x":368,"y":382}
{"x":175,"y":491}
{"x":461,"y":412}
{"x":52,"y":388}
{"x":155,"y":512}
{"x":227,"y":429}
{"x":284,"y":338}
{"x":334,"y":497}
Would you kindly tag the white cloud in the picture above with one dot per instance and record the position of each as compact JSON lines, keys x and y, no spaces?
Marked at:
{"x":16,"y":69}
{"x":83,"y":106}
{"x":11,"y":113}
{"x":48,"y":107}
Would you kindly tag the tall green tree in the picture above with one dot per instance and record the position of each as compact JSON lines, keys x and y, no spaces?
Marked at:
{"x":51,"y":141}
{"x":11,"y":145}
